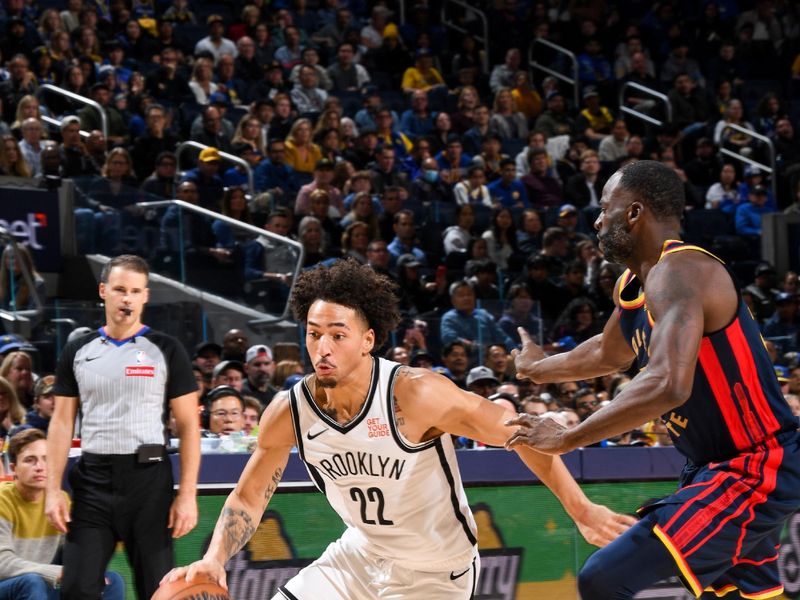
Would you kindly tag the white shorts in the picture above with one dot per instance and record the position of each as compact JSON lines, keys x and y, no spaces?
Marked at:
{"x":345,"y":573}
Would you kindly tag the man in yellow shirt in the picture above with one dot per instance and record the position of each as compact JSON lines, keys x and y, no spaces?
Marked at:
{"x":423,"y":75}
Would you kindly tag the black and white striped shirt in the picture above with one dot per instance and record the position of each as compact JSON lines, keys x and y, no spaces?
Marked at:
{"x":124,"y":387}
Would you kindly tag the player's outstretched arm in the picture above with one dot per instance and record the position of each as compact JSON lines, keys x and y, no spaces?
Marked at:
{"x":602,"y":354}
{"x":245,"y":505}
{"x":434,"y":404}
{"x":678,"y":306}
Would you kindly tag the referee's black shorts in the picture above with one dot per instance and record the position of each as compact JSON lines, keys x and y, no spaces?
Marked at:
{"x":115,"y":498}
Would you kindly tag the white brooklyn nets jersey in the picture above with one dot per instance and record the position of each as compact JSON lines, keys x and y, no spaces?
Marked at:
{"x":399,"y":500}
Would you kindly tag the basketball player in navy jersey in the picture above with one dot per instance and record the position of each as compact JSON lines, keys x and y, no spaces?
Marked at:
{"x":375,"y":438}
{"x":708,"y":377}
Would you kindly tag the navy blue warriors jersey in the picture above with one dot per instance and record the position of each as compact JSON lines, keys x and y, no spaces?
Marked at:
{"x":736,"y":401}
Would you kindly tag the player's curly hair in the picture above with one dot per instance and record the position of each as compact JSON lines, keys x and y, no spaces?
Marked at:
{"x":353,"y":285}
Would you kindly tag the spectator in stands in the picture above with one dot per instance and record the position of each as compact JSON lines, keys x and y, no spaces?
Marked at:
{"x":418,"y":120}
{"x":75,"y":161}
{"x":481,"y":381}
{"x":519,"y":313}
{"x":748,"y":215}
{"x":21,"y":82}
{"x":429,"y":187}
{"x":555,"y":120}
{"x":602,"y":291}
{"x":725,"y":66}
{"x":585,"y":402}
{"x":543,"y":190}
{"x":17,"y":368}
{"x":228,"y":372}
{"x":455,"y":359}
{"x":273,"y":175}
{"x":233,"y":205}
{"x":462,"y":118}
{"x":225,"y":74}
{"x":452,"y":161}
{"x":156,"y":139}
{"x":423,"y":75}
{"x":214,"y":42}
{"x":32,"y":145}
{"x":206,"y":176}
{"x":529,"y":236}
{"x":269,"y":265}
{"x":248,"y":65}
{"x":787,"y":144}
{"x":43,"y":404}
{"x":416,"y":296}
{"x":207,"y":355}
{"x":585,"y":188}
{"x":473,"y":137}
{"x":506,"y":120}
{"x":593,"y":67}
{"x":762,"y":291}
{"x":501,"y":238}
{"x":29,"y":542}
{"x":385,"y":172}
{"x":11,"y":160}
{"x":503,"y":75}
{"x":372,"y":32}
{"x":259,"y":367}
{"x":405,"y":238}
{"x":594,"y":121}
{"x":794,"y":208}
{"x":323,"y":177}
{"x":251,"y":416}
{"x":508,"y":191}
{"x":347,"y":75}
{"x":614,"y":147}
{"x":491,"y":156}
{"x":15,"y":293}
{"x":703,"y":170}
{"x":302,"y":154}
{"x":311,"y":235}
{"x":625,"y":53}
{"x":306,"y":95}
{"x":167,"y":83}
{"x":468,"y":324}
{"x":691,"y":109}
{"x":225,"y":410}
{"x":355,"y":241}
{"x":12,"y":413}
{"x":679,"y":62}
{"x":472,"y":189}
{"x":783,"y":327}
{"x":730,"y":138}
{"x":363,"y":211}
{"x":578,"y":320}
{"x":90,"y":119}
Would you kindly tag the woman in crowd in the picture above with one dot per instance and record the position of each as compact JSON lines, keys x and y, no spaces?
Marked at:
{"x":578,"y":321}
{"x":11,"y":411}
{"x":355,"y":240}
{"x":363,"y":211}
{"x":506,"y":121}
{"x":468,"y":99}
{"x":15,"y":293}
{"x":248,"y":131}
{"x":17,"y":369}
{"x":117,"y":188}
{"x":310,"y":234}
{"x":302,"y":153}
{"x":519,"y":313}
{"x":602,"y":290}
{"x":724,"y":194}
{"x":729,"y":138}
{"x":442,"y":128}
{"x":456,"y":238}
{"x":472,"y":189}
{"x":330,"y":144}
{"x":501,"y":238}
{"x":284,"y":369}
{"x":202,"y":83}
{"x":11,"y":161}
{"x":28,"y":108}
{"x":235,"y":206}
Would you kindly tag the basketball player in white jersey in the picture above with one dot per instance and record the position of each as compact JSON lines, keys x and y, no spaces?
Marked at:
{"x":375,"y":438}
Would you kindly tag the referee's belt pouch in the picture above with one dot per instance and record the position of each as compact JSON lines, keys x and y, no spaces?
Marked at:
{"x":150,"y":453}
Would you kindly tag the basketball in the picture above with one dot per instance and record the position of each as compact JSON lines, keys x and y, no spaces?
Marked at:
{"x":199,"y":588}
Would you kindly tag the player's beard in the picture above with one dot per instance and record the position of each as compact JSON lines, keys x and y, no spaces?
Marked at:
{"x":326,"y":382}
{"x":617,"y":243}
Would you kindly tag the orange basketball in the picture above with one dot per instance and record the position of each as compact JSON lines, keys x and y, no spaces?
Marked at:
{"x":199,"y":588}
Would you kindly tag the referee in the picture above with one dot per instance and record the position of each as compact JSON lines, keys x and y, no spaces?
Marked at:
{"x":126,"y":379}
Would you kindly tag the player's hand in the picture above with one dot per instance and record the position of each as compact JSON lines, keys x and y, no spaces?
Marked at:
{"x":207,"y":566}
{"x":543,"y":434}
{"x":182,"y":515}
{"x":57,"y":511}
{"x":600,"y":526}
{"x":527,"y":357}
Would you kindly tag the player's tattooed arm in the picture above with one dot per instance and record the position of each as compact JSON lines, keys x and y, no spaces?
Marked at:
{"x":273,"y":486}
{"x":234,"y":528}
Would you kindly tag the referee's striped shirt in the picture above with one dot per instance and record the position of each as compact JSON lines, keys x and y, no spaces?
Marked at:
{"x":124,"y":387}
